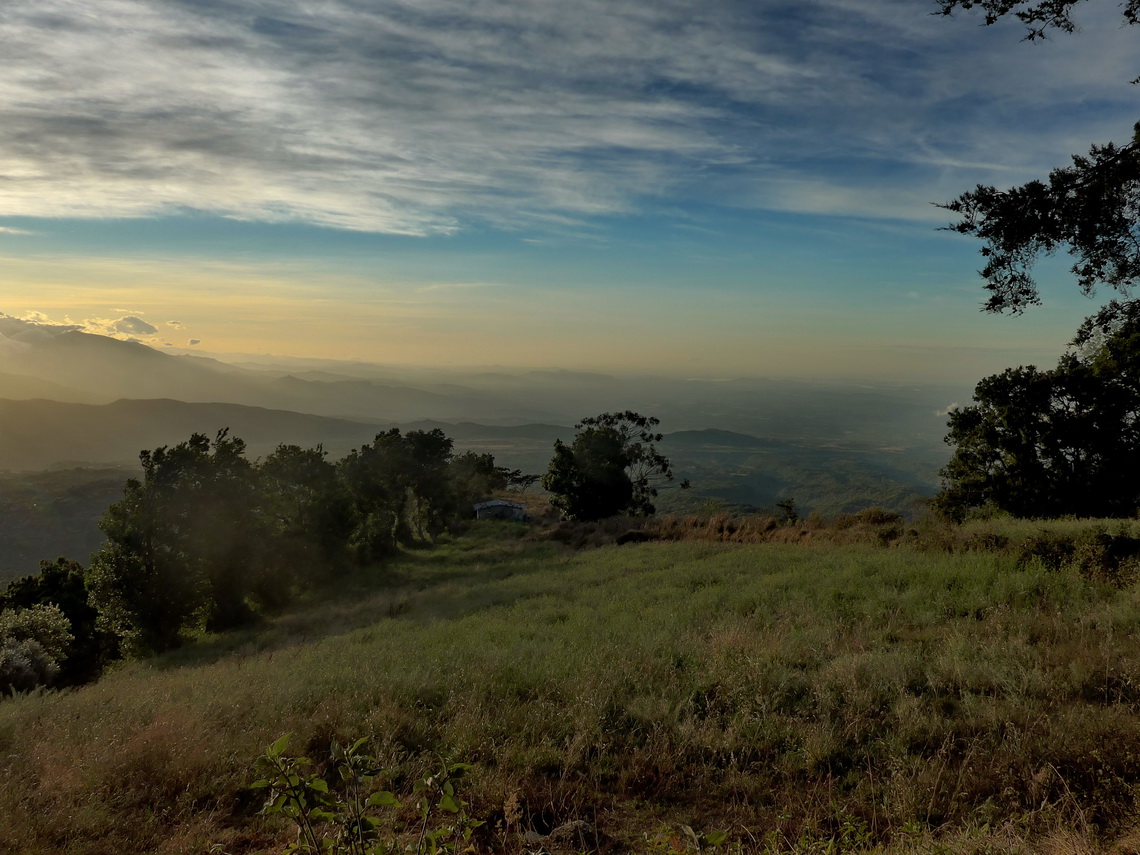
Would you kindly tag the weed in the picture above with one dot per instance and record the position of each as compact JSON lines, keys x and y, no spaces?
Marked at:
{"x":345,"y":807}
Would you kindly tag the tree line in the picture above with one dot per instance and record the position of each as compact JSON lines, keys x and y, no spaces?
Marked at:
{"x":206,"y":539}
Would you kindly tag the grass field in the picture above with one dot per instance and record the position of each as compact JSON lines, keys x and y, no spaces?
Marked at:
{"x":803,"y":698}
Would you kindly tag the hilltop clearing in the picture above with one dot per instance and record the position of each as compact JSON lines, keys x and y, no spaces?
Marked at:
{"x":797,"y":697}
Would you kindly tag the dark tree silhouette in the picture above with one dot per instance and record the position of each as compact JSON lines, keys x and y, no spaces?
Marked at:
{"x":183,"y":545}
{"x":612,"y":467}
{"x":1050,"y":443}
{"x":1090,"y":209}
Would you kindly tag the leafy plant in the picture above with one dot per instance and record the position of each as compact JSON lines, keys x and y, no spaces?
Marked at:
{"x":437,"y":791}
{"x":296,"y":792}
{"x":338,"y":820}
{"x":687,"y":841}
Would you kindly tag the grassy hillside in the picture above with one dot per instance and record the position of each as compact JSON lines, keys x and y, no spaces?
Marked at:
{"x":797,"y":697}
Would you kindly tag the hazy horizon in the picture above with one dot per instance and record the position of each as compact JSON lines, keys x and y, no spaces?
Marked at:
{"x":805,"y":359}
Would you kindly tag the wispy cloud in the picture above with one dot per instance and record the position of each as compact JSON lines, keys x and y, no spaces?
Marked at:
{"x":4,"y":230}
{"x":458,"y":286}
{"x":419,"y":117}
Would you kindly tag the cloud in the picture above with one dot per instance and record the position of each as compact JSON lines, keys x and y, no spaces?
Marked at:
{"x":5,"y":230}
{"x":458,"y":286}
{"x":948,"y":409}
{"x":194,"y":341}
{"x":120,"y":327}
{"x":32,"y":325}
{"x":422,"y":117}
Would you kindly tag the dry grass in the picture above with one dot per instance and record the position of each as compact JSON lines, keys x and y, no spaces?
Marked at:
{"x":799,"y":697}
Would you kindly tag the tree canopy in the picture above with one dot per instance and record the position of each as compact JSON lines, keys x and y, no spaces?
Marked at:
{"x":1090,"y":209}
{"x":1051,"y":443}
{"x":1039,"y":17}
{"x":612,"y":467}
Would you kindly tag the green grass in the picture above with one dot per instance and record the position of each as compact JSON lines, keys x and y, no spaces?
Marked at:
{"x":787,"y":694}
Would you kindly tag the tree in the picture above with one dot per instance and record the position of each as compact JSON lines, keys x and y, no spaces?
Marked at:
{"x":308,"y":517}
{"x":474,"y":477}
{"x":1050,"y":443}
{"x":183,"y":547}
{"x":612,"y":467}
{"x":401,"y":490}
{"x":1038,"y":17}
{"x":1091,"y":209}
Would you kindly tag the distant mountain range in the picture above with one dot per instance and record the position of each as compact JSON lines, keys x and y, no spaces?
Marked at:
{"x":61,"y":364}
{"x":54,"y":512}
{"x":73,"y":401}
{"x":39,"y":434}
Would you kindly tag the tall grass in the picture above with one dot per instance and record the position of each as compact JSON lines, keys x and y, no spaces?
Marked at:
{"x":785,"y":693}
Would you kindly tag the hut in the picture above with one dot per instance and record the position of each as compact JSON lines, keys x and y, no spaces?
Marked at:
{"x":498,"y":509}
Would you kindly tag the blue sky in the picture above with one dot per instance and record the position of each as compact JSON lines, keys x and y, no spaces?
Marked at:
{"x":715,"y":188}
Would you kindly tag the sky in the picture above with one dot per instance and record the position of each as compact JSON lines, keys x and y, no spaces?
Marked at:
{"x":723,"y":188}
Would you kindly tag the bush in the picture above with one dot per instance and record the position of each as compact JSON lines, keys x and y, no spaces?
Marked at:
{"x":62,"y":583}
{"x":24,"y":665}
{"x":1049,"y":549}
{"x":1113,"y":559}
{"x":45,"y":625}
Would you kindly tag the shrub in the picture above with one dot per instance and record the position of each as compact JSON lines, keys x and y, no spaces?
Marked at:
{"x":45,"y":625}
{"x":24,"y":665}
{"x":338,"y":817}
{"x":1050,"y":549}
{"x":1109,"y":558}
{"x":62,"y":583}
{"x":878,"y":516}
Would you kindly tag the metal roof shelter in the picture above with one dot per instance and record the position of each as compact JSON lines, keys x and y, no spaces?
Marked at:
{"x":499,"y":509}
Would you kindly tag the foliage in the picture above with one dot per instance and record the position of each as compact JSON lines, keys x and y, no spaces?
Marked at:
{"x":24,"y":665}
{"x":612,"y":467}
{"x":1049,"y":443}
{"x":475,"y":476}
{"x":788,"y":511}
{"x":308,"y":514}
{"x":33,"y":643}
{"x":400,"y":490}
{"x":308,"y":800}
{"x":519,"y":480}
{"x":208,"y":540}
{"x":1090,"y":208}
{"x":62,"y":583}
{"x":182,"y":546}
{"x":1039,"y":16}
{"x":344,"y":807}
{"x":46,"y":625}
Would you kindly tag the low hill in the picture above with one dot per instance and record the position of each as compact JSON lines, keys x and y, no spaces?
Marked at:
{"x":45,"y":515}
{"x":37,"y":434}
